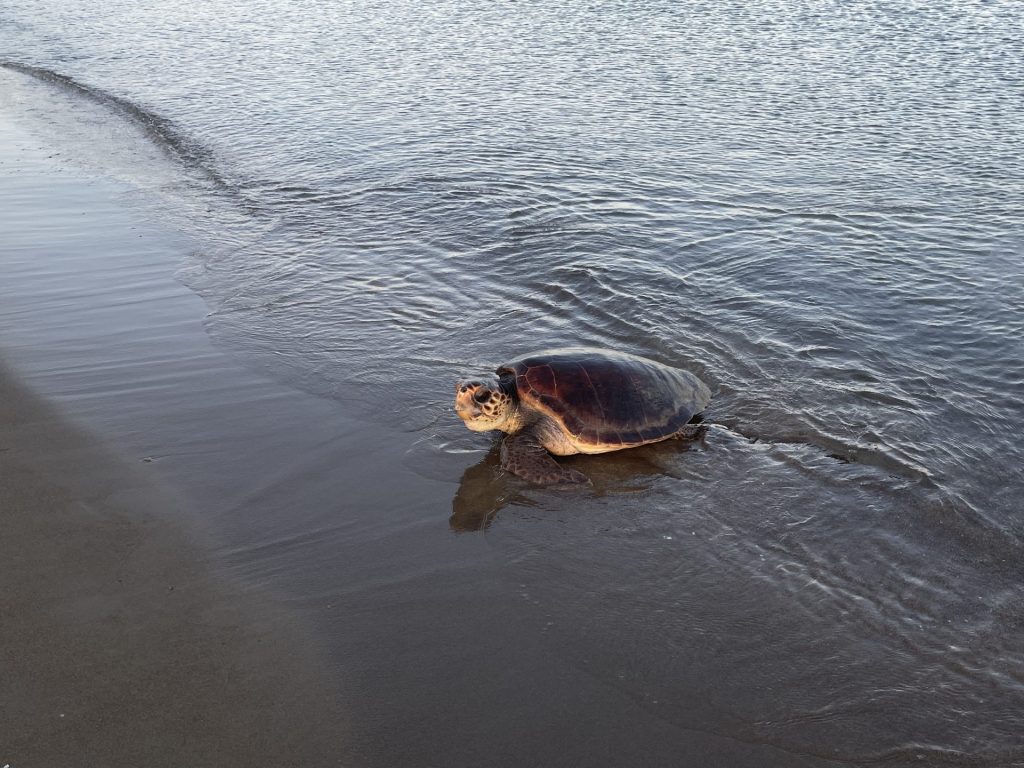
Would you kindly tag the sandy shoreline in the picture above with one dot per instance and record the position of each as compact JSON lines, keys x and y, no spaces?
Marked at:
{"x":121,"y":644}
{"x":124,"y":640}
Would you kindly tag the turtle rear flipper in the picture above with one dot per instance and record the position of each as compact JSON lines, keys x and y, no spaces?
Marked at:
{"x":523,"y":455}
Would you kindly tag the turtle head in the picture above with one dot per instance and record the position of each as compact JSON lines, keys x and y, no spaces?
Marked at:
{"x":484,"y":404}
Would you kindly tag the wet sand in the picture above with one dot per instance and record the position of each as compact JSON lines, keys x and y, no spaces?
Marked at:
{"x":124,"y":640}
{"x":121,"y":643}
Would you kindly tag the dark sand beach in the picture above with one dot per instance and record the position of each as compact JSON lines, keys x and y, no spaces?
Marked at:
{"x":122,"y":643}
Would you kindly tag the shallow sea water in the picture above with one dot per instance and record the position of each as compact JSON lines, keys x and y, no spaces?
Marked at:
{"x":816,"y":207}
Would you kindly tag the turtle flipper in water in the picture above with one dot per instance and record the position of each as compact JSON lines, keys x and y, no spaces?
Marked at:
{"x":691,"y":433}
{"x":523,"y":455}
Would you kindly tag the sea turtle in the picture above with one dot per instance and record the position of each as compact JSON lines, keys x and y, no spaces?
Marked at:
{"x":568,"y":401}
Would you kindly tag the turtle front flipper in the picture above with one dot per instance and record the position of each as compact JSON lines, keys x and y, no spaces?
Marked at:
{"x":523,"y":455}
{"x":692,"y":433}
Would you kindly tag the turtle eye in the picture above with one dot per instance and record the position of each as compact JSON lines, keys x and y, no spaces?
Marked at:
{"x":482,"y":395}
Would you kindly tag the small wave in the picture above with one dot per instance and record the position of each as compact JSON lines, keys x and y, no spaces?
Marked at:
{"x":162,"y":131}
{"x":833,"y":447}
{"x":941,"y":757}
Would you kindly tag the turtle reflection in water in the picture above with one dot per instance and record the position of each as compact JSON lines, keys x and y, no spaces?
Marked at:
{"x":570,"y":401}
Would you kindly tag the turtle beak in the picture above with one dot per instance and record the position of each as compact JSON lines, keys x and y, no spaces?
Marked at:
{"x":464,"y":405}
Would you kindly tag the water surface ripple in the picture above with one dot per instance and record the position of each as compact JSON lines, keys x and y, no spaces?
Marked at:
{"x":818,"y":207}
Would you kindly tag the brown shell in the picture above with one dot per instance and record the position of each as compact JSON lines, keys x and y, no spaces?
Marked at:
{"x":608,"y":398}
